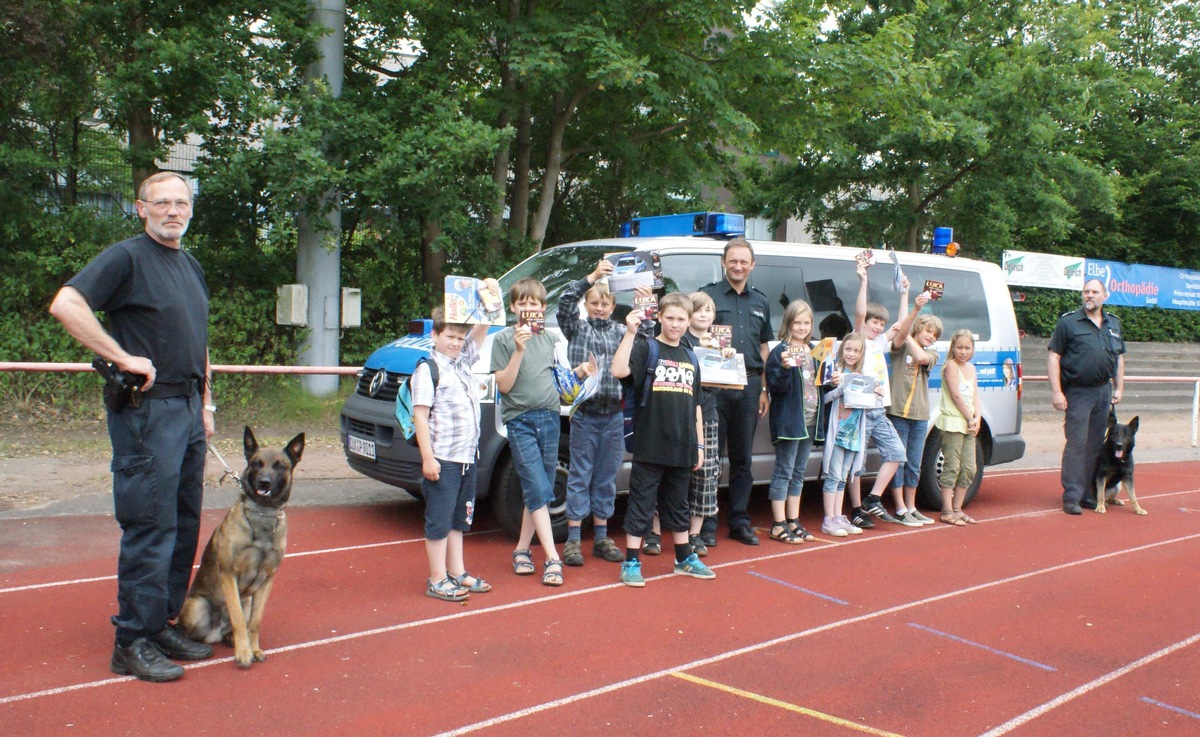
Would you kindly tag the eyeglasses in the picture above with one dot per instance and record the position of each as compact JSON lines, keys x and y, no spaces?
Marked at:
{"x":162,"y":205}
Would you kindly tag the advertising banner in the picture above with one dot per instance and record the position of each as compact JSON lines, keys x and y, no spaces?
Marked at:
{"x":1022,"y":268}
{"x":1134,"y":285}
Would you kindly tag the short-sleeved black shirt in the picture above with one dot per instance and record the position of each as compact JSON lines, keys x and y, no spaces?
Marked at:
{"x":1088,"y":353}
{"x":749,"y":312}
{"x":156,"y":300}
{"x":665,"y":428}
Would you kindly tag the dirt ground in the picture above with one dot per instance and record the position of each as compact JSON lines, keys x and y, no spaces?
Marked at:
{"x":48,"y":472}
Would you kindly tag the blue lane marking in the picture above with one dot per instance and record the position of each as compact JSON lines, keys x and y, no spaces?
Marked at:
{"x":1184,"y":712}
{"x":981,"y":646}
{"x":800,"y":588}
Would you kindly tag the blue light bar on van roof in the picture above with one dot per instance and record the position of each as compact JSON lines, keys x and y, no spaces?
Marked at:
{"x":713,"y":224}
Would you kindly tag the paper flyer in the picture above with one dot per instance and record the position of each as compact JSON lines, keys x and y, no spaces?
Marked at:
{"x":469,"y":302}
{"x":897,"y":272}
{"x":858,"y":391}
{"x":718,"y":371}
{"x":633,"y":269}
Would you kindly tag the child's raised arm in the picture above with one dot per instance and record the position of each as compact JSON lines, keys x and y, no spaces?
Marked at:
{"x":860,"y":304}
{"x":903,"y":329}
{"x":620,"y":360}
{"x":479,"y":332}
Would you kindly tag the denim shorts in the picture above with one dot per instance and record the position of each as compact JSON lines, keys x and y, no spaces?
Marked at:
{"x":533,"y":441}
{"x":887,"y":442}
{"x":912,"y":434}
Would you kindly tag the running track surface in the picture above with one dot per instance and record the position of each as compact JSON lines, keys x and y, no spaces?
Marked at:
{"x":1029,"y":623}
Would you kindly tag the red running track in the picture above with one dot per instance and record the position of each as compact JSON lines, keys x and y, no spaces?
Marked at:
{"x":1030,"y":623}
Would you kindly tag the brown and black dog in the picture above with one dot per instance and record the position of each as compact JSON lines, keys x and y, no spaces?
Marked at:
{"x":229,"y":593}
{"x":1116,"y":466}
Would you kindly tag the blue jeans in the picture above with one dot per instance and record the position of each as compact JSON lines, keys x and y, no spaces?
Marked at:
{"x":912,"y":434}
{"x":840,"y":463}
{"x":533,"y":440}
{"x":791,"y":459}
{"x":597,"y":449}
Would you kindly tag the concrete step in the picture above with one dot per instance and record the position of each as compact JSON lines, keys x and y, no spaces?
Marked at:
{"x":1141,"y":359}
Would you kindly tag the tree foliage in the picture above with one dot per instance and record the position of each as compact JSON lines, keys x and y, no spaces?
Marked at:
{"x":469,"y":134}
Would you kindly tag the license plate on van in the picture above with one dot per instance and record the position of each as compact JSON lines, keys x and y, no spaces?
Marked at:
{"x":361,"y":447}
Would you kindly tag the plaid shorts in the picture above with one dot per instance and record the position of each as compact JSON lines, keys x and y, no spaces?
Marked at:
{"x":702,"y":491}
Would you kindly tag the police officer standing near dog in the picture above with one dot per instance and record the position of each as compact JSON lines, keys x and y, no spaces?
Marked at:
{"x":1086,"y":369}
{"x":156,"y":301}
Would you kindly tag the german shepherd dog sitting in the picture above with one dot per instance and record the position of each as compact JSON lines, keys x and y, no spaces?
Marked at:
{"x":229,"y":593}
{"x":1116,"y":466}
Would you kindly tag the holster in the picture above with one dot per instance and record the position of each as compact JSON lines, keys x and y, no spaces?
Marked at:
{"x":121,"y":389}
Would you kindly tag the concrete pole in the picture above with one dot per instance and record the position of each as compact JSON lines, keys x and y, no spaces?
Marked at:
{"x":318,"y":252}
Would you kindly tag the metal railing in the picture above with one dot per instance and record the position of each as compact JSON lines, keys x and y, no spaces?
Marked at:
{"x":1193,"y":380}
{"x":352,"y":370}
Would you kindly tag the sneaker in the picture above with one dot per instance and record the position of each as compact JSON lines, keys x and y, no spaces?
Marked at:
{"x":908,"y":520}
{"x":922,"y":518}
{"x":694,"y":568}
{"x":698,"y":545}
{"x":573,"y":553}
{"x":874,"y":507}
{"x":631,"y":574}
{"x":607,"y":549}
{"x":831,"y":527}
{"x":862,"y":520}
{"x":849,"y":528}
{"x":652,"y":544}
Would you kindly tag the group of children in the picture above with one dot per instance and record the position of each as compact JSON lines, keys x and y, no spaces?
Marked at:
{"x":675,"y":469}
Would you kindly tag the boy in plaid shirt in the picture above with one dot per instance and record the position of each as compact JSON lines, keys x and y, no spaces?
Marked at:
{"x":598,"y":425}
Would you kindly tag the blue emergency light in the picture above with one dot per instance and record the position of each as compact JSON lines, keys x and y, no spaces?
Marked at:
{"x":712,"y":224}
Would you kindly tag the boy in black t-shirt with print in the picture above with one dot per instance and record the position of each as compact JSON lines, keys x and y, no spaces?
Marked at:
{"x":668,"y":432}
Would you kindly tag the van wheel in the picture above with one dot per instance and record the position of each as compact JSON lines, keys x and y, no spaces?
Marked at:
{"x":929,"y":495}
{"x":508,"y":506}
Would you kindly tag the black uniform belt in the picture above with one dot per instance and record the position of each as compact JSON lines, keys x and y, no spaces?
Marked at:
{"x":167,"y":391}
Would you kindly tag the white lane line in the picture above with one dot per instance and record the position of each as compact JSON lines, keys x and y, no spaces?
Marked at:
{"x":1075,"y":693}
{"x":300,"y":554}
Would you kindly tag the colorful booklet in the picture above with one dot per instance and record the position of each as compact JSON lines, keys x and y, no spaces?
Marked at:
{"x":935,"y":289}
{"x":648,"y":304}
{"x":535,"y":319}
{"x":720,"y":335}
{"x":469,"y":302}
{"x":866,"y":257}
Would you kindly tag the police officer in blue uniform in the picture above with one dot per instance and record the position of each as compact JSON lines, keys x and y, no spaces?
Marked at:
{"x":748,"y":311}
{"x":1086,"y":369}
{"x":156,"y":301}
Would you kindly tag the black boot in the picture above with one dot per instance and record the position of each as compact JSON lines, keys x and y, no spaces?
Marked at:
{"x":144,"y":660}
{"x":173,"y":643}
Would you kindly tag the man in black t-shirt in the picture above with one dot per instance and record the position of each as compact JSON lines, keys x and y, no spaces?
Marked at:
{"x":156,"y":301}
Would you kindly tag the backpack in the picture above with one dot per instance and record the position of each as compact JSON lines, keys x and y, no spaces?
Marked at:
{"x":629,"y":402}
{"x":404,"y":404}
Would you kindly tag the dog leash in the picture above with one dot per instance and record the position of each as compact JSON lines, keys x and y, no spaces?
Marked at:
{"x":228,"y":471}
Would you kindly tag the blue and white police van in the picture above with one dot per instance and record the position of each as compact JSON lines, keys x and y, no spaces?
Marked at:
{"x":690,"y":246}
